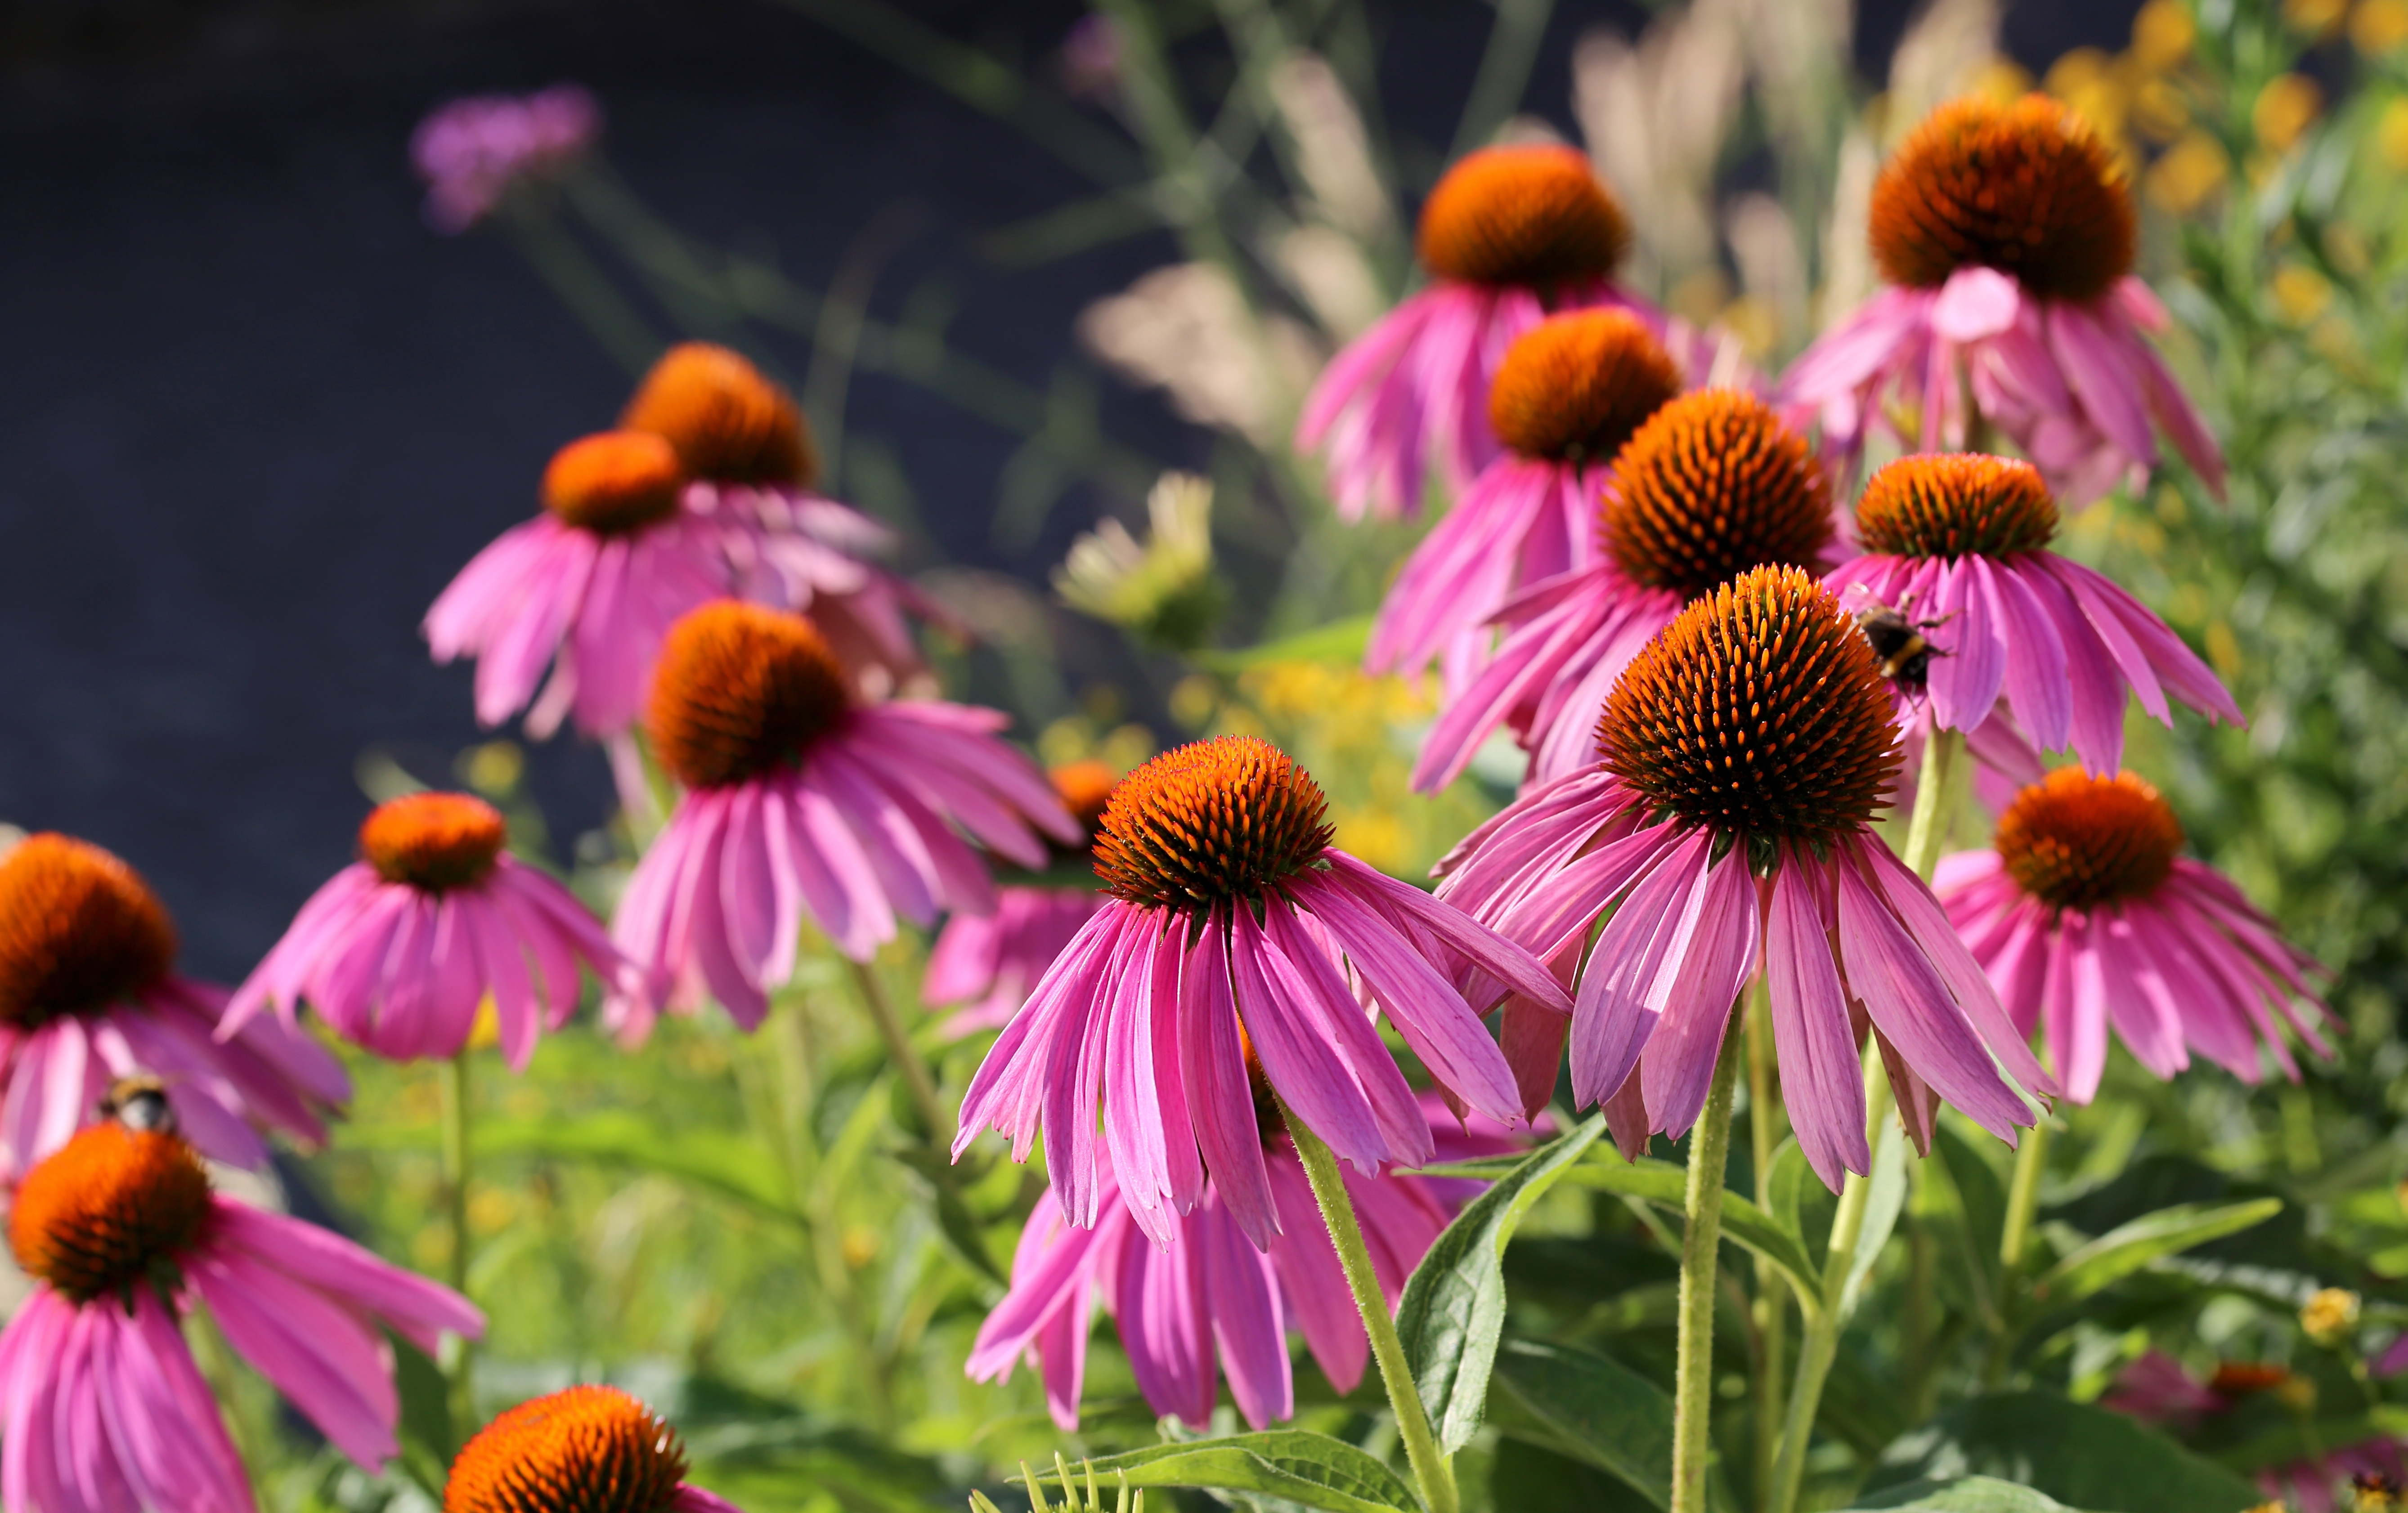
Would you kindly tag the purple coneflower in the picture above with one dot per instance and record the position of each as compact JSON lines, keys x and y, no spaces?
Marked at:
{"x":2006,"y":232}
{"x":472,"y":151}
{"x":397,"y":951}
{"x":802,"y":801}
{"x":581,"y":1450}
{"x":1509,"y":234}
{"x":1724,"y":826}
{"x":1570,"y":392}
{"x":2155,"y":1390}
{"x":1204,"y":1290}
{"x":1713,"y":483}
{"x":1233,"y":922}
{"x":102,"y":1408}
{"x":748,"y":454}
{"x":88,"y":995}
{"x":588,"y":587}
{"x":2086,"y":915}
{"x":988,"y":962}
{"x":1960,"y":543}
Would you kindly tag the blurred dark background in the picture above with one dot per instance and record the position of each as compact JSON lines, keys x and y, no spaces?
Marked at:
{"x":254,"y":413}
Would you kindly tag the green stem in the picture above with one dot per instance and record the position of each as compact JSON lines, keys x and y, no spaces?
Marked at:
{"x":1928,"y":829}
{"x":1772,"y":1293}
{"x":1430,"y":1469}
{"x":1820,"y":1343}
{"x":2022,"y":1199}
{"x":937,"y":1124}
{"x":1693,"y":1371}
{"x":455,"y":1193}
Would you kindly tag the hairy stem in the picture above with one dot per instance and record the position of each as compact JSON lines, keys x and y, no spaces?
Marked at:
{"x":1430,"y":1469}
{"x":1820,"y":1342}
{"x":1693,"y":1374}
{"x":937,"y":1125}
{"x":1928,"y":829}
{"x":1771,"y":1304}
{"x":456,"y":1193}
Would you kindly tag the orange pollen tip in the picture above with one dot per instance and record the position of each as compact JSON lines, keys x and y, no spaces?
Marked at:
{"x":80,"y":930}
{"x":583,"y":1450}
{"x":1760,"y":712}
{"x":1085,"y":787}
{"x":728,"y":421}
{"x":2027,"y":188}
{"x":433,"y":842}
{"x":105,"y":1210}
{"x":1712,"y":484}
{"x":742,"y":689}
{"x":613,"y":483}
{"x":1955,"y":505}
{"x":1529,"y":216}
{"x":1210,"y":823}
{"x":2074,"y":841}
{"x":2238,"y":1379}
{"x":1575,"y":387}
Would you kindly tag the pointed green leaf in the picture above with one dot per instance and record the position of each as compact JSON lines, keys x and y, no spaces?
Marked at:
{"x":1744,"y":1224}
{"x":1582,"y":1405}
{"x":1981,"y":1198}
{"x":2083,"y":1456}
{"x":1307,"y":1469}
{"x":1453,"y":1308}
{"x":428,"y":1440}
{"x":1967,"y":1494}
{"x":2128,"y":1248}
{"x":732,"y":1165}
{"x":1885,"y":1199}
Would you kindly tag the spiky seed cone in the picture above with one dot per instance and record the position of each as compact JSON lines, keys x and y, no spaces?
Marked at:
{"x":80,"y":930}
{"x":1574,"y":387}
{"x":2074,"y":841}
{"x":1210,"y":823}
{"x":433,"y":842}
{"x":1528,"y":217}
{"x":728,"y":421}
{"x":104,"y":1211}
{"x":614,"y":483}
{"x":741,"y":690}
{"x":1953,"y":505}
{"x":1711,"y":485}
{"x":584,"y":1450}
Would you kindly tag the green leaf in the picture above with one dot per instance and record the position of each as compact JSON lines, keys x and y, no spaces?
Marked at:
{"x":2307,"y":1440}
{"x":1523,"y":1477}
{"x":1581,"y":1404}
{"x":2083,"y":1456}
{"x":1744,"y":1224}
{"x":428,"y":1440}
{"x":954,"y":1220}
{"x":2128,"y":1248}
{"x":1788,"y":1190}
{"x":732,"y":1165}
{"x":1307,"y":1469}
{"x":1885,"y":1199}
{"x":1968,"y":1495}
{"x":1340,"y":640}
{"x":1980,"y":1198}
{"x":1452,"y":1311}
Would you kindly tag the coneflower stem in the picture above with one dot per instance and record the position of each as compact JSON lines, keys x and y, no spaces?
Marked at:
{"x":1926,"y":831}
{"x":456,"y":1115}
{"x":937,"y":1124}
{"x":1820,"y":1342}
{"x":1771,"y":1290}
{"x":1692,"y":1371}
{"x":1430,"y":1469}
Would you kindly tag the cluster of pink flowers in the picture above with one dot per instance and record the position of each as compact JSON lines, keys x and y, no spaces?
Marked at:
{"x":472,"y":151}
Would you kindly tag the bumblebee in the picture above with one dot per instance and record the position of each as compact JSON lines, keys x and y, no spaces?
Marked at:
{"x":140,"y":1103}
{"x":1898,"y":642}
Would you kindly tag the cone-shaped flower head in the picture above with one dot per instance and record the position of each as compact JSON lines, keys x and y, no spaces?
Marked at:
{"x":805,"y":801}
{"x":399,"y":951}
{"x":2007,"y":235}
{"x":1712,"y":484}
{"x":2086,"y":914}
{"x":2026,"y":188}
{"x":1723,"y":829}
{"x":1509,"y":233}
{"x":587,"y":588}
{"x":988,"y":962}
{"x":582,"y":1449}
{"x":104,"y":1406}
{"x":88,"y":995}
{"x":1570,"y":392}
{"x":1958,"y":543}
{"x":727,"y":423}
{"x":1233,"y":925}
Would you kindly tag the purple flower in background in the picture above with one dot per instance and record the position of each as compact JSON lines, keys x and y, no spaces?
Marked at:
{"x":1205,"y":1293}
{"x":1091,"y":58}
{"x":471,"y":151}
{"x":2157,"y":1390}
{"x":2006,"y":232}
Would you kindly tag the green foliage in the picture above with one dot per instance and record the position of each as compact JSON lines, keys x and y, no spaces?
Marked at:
{"x":2083,"y":1456}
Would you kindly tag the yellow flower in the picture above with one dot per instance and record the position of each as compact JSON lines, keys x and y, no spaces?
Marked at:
{"x":2391,"y":133}
{"x":2329,"y":1316}
{"x":2377,"y":26}
{"x":2186,"y":172}
{"x":2283,"y":109}
{"x":2301,"y":292}
{"x":2162,"y":34}
{"x":2314,"y":17}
